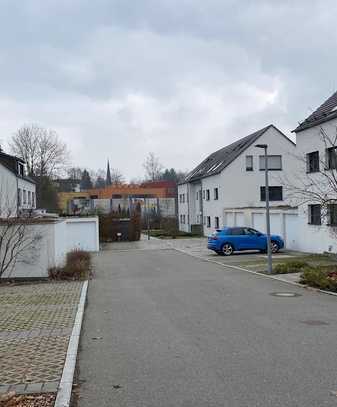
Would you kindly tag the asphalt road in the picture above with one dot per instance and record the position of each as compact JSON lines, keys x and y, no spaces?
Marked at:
{"x":165,"y":329}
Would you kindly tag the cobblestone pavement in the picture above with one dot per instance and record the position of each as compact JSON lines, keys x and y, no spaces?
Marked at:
{"x":36,"y":322}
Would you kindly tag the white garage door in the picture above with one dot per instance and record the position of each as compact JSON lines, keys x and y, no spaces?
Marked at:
{"x":259,"y":222}
{"x":276,"y":224}
{"x":229,"y":219}
{"x":291,"y":235}
{"x":239,"y":219}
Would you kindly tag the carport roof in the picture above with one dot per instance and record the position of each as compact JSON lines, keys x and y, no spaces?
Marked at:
{"x":220,"y":159}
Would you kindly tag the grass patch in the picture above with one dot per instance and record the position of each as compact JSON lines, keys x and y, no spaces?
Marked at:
{"x":294,"y":266}
{"x":323,"y":277}
{"x":77,"y":267}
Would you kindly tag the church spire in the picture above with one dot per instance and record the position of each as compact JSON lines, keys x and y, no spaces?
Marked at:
{"x":108,"y":175}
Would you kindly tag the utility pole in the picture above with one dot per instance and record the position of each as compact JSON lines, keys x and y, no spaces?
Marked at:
{"x":270,"y":260}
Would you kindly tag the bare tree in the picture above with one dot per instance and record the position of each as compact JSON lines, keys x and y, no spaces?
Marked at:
{"x":75,"y":173}
{"x":116,"y":176}
{"x":316,"y":182}
{"x":153,"y":168}
{"x":42,"y":150}
{"x":18,"y":239}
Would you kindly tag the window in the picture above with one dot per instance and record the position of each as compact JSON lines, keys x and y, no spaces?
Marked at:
{"x":275,"y":193}
{"x":33,"y":199}
{"x":216,"y":222}
{"x":314,"y":214}
{"x":237,"y":231}
{"x":274,"y":162}
{"x":313,"y":162}
{"x":19,"y":197}
{"x":203,"y":194}
{"x":204,"y":220}
{"x":208,"y":221}
{"x":24,"y":197}
{"x":216,"y":194}
{"x":249,"y":163}
{"x":331,"y":158}
{"x":207,"y":195}
{"x":332,"y":214}
{"x":197,"y":196}
{"x":21,"y":169}
{"x":29,"y":198}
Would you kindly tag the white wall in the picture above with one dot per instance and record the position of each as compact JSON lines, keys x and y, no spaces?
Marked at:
{"x":27,"y":186}
{"x":183,"y":208}
{"x":56,"y":239}
{"x":8,"y":192}
{"x":316,"y":239}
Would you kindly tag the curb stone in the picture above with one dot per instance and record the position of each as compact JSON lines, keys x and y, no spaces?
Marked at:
{"x":305,"y":287}
{"x":66,"y":385}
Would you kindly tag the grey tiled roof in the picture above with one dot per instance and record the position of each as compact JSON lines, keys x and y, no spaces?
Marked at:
{"x":219,"y":160}
{"x":326,"y":112}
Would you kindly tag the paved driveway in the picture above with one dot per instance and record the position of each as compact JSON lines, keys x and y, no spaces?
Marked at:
{"x":165,"y":329}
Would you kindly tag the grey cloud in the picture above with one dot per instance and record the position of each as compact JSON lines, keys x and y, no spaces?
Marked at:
{"x":180,"y":78}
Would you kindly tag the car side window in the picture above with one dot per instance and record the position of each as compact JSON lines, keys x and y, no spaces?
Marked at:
{"x":237,"y":231}
{"x":250,"y":231}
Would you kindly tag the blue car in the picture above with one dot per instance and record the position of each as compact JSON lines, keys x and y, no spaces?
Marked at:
{"x":228,"y":240}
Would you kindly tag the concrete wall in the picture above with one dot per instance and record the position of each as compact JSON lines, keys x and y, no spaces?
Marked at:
{"x":55,"y":240}
{"x":316,"y":239}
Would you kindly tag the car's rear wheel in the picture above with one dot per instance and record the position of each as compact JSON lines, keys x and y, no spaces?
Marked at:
{"x":274,"y":247}
{"x":227,"y":249}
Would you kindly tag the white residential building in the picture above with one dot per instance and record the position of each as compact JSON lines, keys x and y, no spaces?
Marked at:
{"x":317,"y":153}
{"x":227,"y":188}
{"x":17,"y":191}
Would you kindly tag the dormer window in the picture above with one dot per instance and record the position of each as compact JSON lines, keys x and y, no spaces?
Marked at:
{"x":21,"y":169}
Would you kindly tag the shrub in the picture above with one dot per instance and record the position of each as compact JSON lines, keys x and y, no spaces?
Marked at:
{"x":324,"y":278}
{"x":290,"y":267}
{"x":77,"y":267}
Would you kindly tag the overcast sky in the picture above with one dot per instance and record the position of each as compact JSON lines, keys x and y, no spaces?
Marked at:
{"x":181,"y":78}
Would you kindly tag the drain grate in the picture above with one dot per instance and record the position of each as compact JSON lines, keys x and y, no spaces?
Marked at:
{"x":285,"y":295}
{"x":314,"y":322}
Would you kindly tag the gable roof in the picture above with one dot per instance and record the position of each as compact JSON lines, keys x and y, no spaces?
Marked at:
{"x":10,"y":162}
{"x":219,"y":160}
{"x":327,"y":111}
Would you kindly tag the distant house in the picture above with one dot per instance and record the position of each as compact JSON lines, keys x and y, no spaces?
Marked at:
{"x":17,"y":190}
{"x":317,"y":150}
{"x":227,"y":187}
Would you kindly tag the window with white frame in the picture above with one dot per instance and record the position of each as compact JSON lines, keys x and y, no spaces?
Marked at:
{"x":29,"y":198}
{"x":216,"y":194}
{"x":208,"y":195}
{"x":332,"y":214}
{"x":216,"y":222}
{"x":249,"y":163}
{"x":33,"y":199}
{"x":208,"y":221}
{"x":274,"y":162}
{"x":24,"y":197}
{"x":314,"y":214}
{"x":19,"y":197}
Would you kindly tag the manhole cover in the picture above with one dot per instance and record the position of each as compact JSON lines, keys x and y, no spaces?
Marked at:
{"x":314,"y":322}
{"x":286,"y":295}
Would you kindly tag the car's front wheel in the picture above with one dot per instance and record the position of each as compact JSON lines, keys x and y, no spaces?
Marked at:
{"x":274,"y":247}
{"x":227,"y":249}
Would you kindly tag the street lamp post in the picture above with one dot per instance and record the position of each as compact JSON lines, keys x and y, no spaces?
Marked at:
{"x":270,"y":262}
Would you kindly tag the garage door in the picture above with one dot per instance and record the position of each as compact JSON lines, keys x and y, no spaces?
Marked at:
{"x":229,"y":219}
{"x":291,"y":235}
{"x":276,"y":224}
{"x":259,"y":222}
{"x":239,"y":219}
